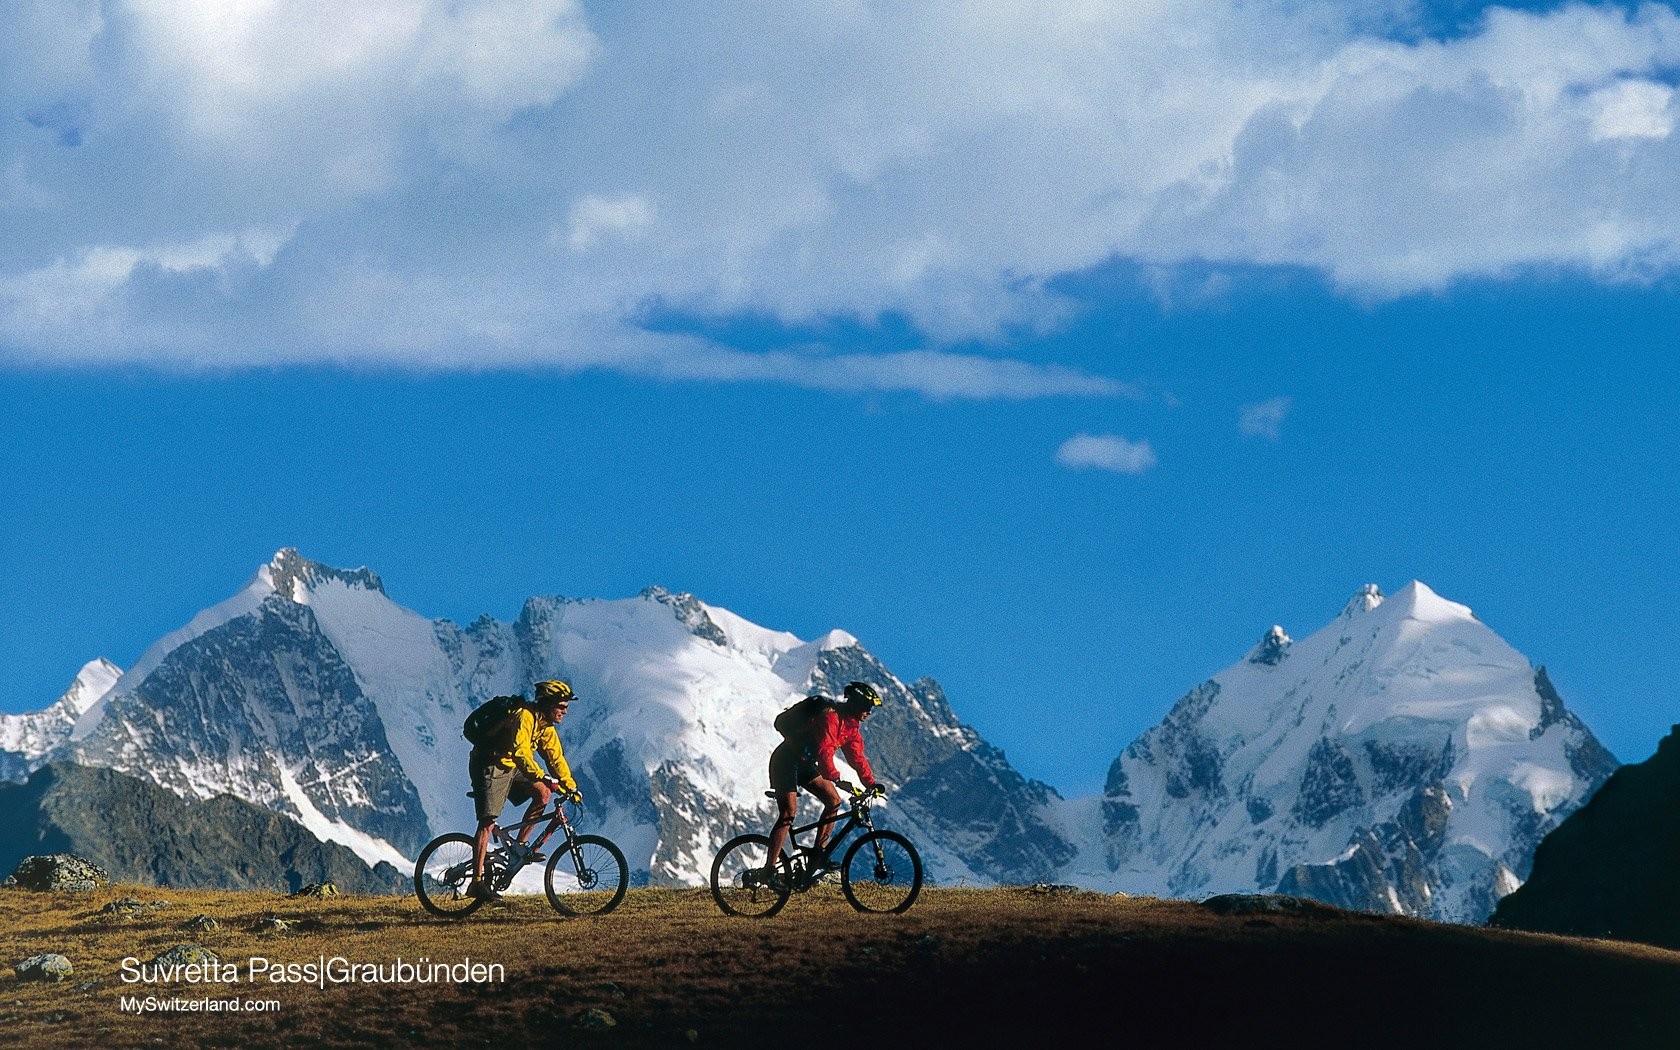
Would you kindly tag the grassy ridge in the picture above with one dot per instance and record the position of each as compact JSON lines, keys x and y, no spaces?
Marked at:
{"x":964,"y":967}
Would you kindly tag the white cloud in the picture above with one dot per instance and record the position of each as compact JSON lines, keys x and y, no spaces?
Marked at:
{"x":1633,"y":109}
{"x":1264,"y":418}
{"x":83,"y":293}
{"x":594,"y":217}
{"x":523,"y":180}
{"x":1106,"y":452}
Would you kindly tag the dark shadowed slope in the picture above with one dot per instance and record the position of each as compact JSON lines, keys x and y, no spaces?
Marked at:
{"x":1613,"y":868}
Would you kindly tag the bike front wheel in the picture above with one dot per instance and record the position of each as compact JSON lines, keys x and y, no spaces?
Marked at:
{"x":740,"y":883}
{"x":882,"y":873}
{"x":586,"y":877}
{"x":443,"y":874}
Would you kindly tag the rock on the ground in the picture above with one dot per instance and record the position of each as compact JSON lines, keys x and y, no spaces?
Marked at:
{"x":48,"y":967}
{"x":58,"y":873}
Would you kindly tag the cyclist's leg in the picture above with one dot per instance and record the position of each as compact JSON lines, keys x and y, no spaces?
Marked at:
{"x":787,"y":806}
{"x":784,"y":781}
{"x":829,"y":795}
{"x":540,"y":794}
{"x":481,"y":847}
{"x":490,"y":791}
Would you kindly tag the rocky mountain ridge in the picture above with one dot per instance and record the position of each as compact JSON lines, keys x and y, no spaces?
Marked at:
{"x":1402,"y":759}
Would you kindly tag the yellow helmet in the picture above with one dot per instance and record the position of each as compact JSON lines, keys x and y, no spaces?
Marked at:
{"x":553,"y":691}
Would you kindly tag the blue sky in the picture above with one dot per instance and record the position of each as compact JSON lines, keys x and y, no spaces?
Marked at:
{"x":1056,"y":351}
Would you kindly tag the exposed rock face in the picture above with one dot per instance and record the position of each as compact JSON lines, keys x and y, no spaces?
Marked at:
{"x":251,"y":705}
{"x":1610,"y":870}
{"x":141,"y":833}
{"x":951,"y":781}
{"x":1403,"y":759}
{"x":1272,"y":648}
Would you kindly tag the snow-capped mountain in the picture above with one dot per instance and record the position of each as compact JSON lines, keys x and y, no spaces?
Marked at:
{"x":311,"y":693}
{"x":39,"y":732}
{"x":1403,"y":759}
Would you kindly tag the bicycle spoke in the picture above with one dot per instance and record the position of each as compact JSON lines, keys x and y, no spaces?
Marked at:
{"x":443,"y":874}
{"x":587,"y":876}
{"x":740,"y":884}
{"x":882,"y":873}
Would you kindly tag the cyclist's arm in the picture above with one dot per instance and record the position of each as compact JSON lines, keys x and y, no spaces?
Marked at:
{"x":548,"y":743}
{"x":523,"y":741}
{"x":827,"y":737}
{"x":853,"y":749}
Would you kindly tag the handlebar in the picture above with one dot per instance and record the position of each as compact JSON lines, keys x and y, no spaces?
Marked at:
{"x":573,"y":796}
{"x":869,"y":796}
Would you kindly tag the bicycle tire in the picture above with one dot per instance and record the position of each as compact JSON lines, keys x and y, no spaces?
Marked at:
{"x":601,"y":883}
{"x":438,"y":878}
{"x":880,"y":884}
{"x":739,"y":892}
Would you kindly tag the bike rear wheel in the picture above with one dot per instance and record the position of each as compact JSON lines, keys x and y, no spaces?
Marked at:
{"x":588,"y":878}
{"x":739,"y":884}
{"x":442,"y":875}
{"x":882,"y":873}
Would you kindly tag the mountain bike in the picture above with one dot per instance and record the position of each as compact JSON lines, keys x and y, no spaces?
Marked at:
{"x":881,"y":871}
{"x":586,"y":875}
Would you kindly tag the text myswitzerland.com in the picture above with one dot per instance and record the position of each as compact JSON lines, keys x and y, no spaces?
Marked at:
{"x":153,"y":1004}
{"x":321,"y":971}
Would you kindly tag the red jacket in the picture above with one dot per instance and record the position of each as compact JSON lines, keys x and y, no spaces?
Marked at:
{"x":832,"y":731}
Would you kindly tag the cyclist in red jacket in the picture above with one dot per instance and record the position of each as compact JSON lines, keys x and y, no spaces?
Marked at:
{"x":805,"y":758}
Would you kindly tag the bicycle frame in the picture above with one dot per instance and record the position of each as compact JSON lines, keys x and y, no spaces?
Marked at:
{"x":855,"y":818}
{"x":508,"y":836}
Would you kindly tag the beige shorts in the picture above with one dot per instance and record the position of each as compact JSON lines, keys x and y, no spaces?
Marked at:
{"x":493,"y":784}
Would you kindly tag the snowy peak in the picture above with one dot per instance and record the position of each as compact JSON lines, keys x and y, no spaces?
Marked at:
{"x":1364,"y":600}
{"x":690,"y":611}
{"x":25,"y":738}
{"x":293,"y":576}
{"x":1417,"y":602}
{"x":1403,"y":758}
{"x":1272,"y":647}
{"x":93,"y":681}
{"x":310,"y":692}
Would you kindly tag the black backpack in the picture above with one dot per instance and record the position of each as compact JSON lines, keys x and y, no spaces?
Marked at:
{"x":795,"y":720}
{"x":492,"y":720}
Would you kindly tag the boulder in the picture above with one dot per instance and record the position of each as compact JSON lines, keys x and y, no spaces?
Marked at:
{"x":595,"y":1019}
{"x":129,"y":907}
{"x":47,"y":967}
{"x":1264,"y":904}
{"x":58,"y":873}
{"x":187,"y":955}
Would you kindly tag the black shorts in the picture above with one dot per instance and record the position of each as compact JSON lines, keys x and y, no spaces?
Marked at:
{"x":791,"y":766}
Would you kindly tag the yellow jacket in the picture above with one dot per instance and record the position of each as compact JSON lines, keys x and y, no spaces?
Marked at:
{"x":537,"y":736}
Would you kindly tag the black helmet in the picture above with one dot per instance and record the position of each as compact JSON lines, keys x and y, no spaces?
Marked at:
{"x":860,"y":696}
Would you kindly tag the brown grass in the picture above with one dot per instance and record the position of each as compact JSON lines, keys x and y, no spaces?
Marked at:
{"x":963,"y":968}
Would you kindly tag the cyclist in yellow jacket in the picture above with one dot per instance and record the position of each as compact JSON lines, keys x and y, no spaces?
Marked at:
{"x":506,"y":770}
